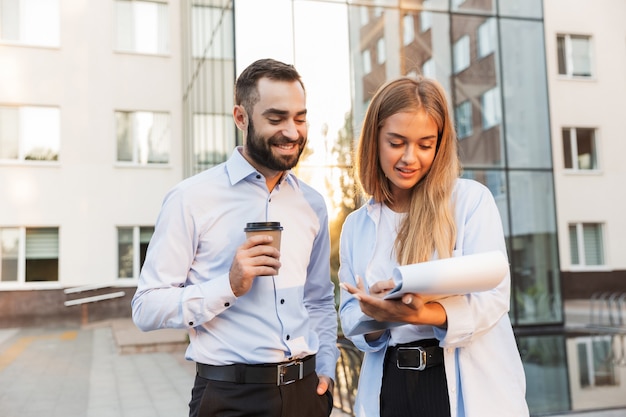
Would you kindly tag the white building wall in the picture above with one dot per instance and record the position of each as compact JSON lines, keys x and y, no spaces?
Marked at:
{"x":597,"y":103}
{"x":86,"y":194}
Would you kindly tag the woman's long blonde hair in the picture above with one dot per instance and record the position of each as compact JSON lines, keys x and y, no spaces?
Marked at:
{"x":429,"y":224}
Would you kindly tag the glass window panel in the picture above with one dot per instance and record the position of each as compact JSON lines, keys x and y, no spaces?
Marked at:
{"x":39,"y":22}
{"x":125,"y":252}
{"x":581,"y":56}
{"x":9,"y":20}
{"x":124,"y":25}
{"x":143,"y":137}
{"x":408,"y":29}
{"x":478,"y":7}
{"x":461,"y":54}
{"x":496,"y":182}
{"x":9,"y":254}
{"x":123,"y":127}
{"x":524,"y":90}
{"x":142,"y":27}
{"x":367,"y":61}
{"x":592,"y":236}
{"x":463,"y":117}
{"x":584,"y":377}
{"x":491,"y":108}
{"x":440,"y":5}
{"x":545,"y":360}
{"x":567,"y":148}
{"x":9,"y":133}
{"x":145,"y":27}
{"x":157,"y":139}
{"x":213,"y":139}
{"x":487,"y":38}
{"x":603,"y":361}
{"x":145,"y":234}
{"x":42,"y":254}
{"x":428,"y":69}
{"x":534,"y":254}
{"x":40,"y":133}
{"x":212,"y":30}
{"x":517,"y":8}
{"x":585,"y":145}
{"x":561,"y":55}
{"x":479,"y":84}
{"x":573,"y":244}
{"x":426,"y":20}
{"x":31,"y":22}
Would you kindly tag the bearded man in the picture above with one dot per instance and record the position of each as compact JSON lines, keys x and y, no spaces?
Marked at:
{"x":262,"y":322}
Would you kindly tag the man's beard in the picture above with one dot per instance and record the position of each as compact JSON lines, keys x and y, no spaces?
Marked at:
{"x":260,"y":150}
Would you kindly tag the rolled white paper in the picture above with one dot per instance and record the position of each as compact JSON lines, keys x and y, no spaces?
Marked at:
{"x":451,"y":276}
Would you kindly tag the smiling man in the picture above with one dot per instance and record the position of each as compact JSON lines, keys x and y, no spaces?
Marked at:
{"x":262,"y":322}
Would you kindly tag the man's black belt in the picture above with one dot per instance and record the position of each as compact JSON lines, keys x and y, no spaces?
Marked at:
{"x":277,"y":374}
{"x":416,"y":356}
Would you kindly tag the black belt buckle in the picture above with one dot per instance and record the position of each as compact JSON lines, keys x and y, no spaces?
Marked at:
{"x":420,"y":354}
{"x":289,"y":372}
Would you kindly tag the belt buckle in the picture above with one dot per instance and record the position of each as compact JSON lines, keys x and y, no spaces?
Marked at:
{"x":283,"y":368}
{"x":421,"y":354}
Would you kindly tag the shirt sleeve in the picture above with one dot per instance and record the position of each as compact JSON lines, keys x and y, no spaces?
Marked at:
{"x":479,"y":229}
{"x":319,"y":300}
{"x":163,"y":300}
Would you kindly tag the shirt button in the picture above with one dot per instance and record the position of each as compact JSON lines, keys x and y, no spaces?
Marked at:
{"x":226,"y":304}
{"x":282,"y":301}
{"x":258,"y":177}
{"x":287,"y":337}
{"x":191,"y":323}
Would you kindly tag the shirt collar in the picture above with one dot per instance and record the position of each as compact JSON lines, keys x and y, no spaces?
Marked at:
{"x":238,"y":169}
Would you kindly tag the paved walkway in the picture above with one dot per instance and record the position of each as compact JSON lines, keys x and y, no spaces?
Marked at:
{"x":104,"y":370}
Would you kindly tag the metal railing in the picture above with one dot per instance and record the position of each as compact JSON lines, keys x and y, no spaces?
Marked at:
{"x":85,"y":301}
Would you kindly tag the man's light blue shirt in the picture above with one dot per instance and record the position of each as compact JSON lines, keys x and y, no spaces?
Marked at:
{"x":185,"y":283}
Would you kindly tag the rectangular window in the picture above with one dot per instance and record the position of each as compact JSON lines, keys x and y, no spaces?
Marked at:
{"x":143,"y":138}
{"x":367,"y":61}
{"x":596,"y":362}
{"x":463,"y":116}
{"x":579,"y":148}
{"x":213,"y":139}
{"x":461,"y":54}
{"x":426,"y":20}
{"x":132,"y":245}
{"x":574,"y":55}
{"x":30,"y":22}
{"x":141,"y":27}
{"x":29,"y":254}
{"x":492,"y":109}
{"x":212,"y":29}
{"x":30,"y":133}
{"x":408,"y":30}
{"x":586,"y":244}
{"x":381,"y":51}
{"x":487,"y":38}
{"x":428,"y":69}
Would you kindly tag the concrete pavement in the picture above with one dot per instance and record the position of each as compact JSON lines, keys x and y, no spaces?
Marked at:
{"x":108,"y":369}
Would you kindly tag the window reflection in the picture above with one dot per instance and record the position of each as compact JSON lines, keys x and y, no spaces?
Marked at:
{"x":533,"y":245}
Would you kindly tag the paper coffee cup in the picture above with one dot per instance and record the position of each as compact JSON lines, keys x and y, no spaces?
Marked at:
{"x":273,"y":229}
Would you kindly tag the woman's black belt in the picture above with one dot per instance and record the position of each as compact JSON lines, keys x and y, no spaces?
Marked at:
{"x":417,"y":355}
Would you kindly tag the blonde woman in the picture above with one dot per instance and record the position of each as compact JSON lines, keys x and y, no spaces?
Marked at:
{"x":420,"y":210}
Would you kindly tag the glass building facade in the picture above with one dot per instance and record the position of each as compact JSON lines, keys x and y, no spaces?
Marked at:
{"x":489,"y":55}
